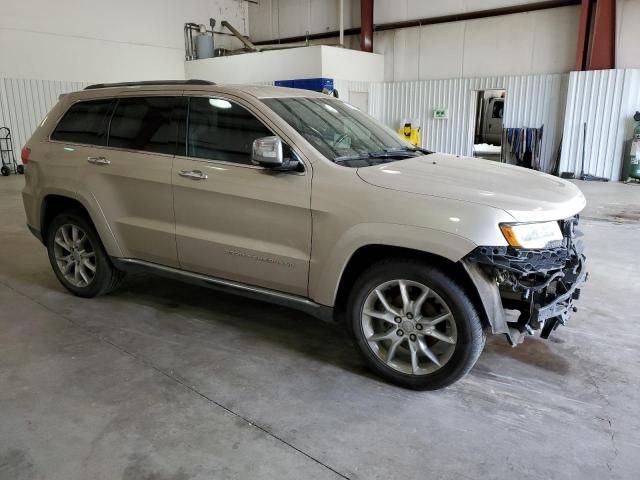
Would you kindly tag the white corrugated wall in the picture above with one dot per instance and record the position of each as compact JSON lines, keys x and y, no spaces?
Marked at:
{"x":345,"y":87}
{"x":24,"y":103}
{"x":604,"y":100}
{"x":531,"y":101}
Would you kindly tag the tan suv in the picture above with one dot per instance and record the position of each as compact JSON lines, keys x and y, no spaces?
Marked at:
{"x":300,"y":199}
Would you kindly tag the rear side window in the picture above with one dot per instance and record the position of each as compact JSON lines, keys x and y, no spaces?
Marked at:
{"x":222,"y":130}
{"x":144,"y":124}
{"x":85,"y":122}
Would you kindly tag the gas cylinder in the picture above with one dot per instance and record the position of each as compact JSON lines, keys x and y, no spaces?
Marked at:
{"x":631,"y":169}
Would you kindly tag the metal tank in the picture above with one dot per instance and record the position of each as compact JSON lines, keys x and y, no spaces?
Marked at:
{"x":631,"y":168}
{"x":204,"y":44}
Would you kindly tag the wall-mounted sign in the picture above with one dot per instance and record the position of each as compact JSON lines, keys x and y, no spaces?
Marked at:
{"x":440,"y":113}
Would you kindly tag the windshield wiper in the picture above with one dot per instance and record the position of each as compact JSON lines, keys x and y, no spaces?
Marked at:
{"x":411,"y":149}
{"x":386,"y":153}
{"x":359,"y":156}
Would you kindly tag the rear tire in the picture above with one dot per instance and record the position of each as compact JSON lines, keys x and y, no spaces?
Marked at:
{"x":414,"y":325}
{"x":5,"y":171}
{"x":20,"y":169}
{"x":78,"y":258}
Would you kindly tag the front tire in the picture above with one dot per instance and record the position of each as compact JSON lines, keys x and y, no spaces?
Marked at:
{"x":415,"y":325}
{"x":78,"y":258}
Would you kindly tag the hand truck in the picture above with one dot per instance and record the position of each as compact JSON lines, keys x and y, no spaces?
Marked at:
{"x":9,"y":164}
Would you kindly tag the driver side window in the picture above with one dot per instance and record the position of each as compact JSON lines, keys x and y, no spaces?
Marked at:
{"x":222,"y":130}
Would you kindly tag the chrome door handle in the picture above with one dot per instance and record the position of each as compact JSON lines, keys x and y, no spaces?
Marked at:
{"x":193,"y":174}
{"x":98,"y":160}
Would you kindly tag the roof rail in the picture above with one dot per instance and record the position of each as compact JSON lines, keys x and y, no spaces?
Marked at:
{"x":149,"y":82}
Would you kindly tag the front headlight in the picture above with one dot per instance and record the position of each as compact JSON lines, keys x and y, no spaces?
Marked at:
{"x":531,"y":235}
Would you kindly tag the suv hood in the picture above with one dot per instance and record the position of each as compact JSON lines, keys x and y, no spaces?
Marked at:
{"x":525,"y":194}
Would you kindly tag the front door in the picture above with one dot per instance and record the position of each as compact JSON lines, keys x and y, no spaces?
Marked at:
{"x":235,"y":220}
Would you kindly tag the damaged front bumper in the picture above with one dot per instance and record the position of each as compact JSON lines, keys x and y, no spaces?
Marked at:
{"x":541,"y":284}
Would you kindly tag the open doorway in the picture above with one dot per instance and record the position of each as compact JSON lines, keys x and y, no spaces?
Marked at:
{"x":487,"y":132}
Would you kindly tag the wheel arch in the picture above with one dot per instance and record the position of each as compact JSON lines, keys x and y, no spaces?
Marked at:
{"x":56,"y":203}
{"x":367,"y":255}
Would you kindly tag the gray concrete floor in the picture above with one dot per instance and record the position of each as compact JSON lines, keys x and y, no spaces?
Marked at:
{"x":166,"y":381}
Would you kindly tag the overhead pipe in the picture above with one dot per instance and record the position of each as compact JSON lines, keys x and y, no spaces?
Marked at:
{"x":494,"y":12}
{"x":342,"y":23}
{"x":189,"y":50}
{"x":247,"y":43}
{"x":366,"y":25}
{"x":283,"y":46}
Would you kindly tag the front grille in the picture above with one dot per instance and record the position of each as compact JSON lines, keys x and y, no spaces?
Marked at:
{"x":521,"y":261}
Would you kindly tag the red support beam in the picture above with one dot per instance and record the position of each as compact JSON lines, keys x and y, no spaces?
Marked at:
{"x":596,"y":35}
{"x":583,"y":35}
{"x":366,"y":25}
{"x":603,"y":41}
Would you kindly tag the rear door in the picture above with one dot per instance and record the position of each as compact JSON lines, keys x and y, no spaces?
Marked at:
{"x":235,"y":220}
{"x":130,"y":178}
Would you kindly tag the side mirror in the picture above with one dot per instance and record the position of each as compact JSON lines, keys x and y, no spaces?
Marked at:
{"x":268,"y":152}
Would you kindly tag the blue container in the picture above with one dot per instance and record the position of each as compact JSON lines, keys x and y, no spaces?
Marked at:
{"x":314,"y":84}
{"x":284,"y":83}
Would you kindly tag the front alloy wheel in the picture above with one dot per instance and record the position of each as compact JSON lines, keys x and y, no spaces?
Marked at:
{"x":414,"y":324}
{"x":409,"y":327}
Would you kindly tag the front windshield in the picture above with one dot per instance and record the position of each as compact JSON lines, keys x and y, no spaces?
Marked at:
{"x":341,"y":132}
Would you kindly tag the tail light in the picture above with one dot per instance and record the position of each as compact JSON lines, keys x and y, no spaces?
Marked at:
{"x":24,"y":155}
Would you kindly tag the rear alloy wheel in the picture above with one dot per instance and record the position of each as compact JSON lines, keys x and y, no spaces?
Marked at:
{"x":75,"y":255}
{"x":414,"y":325}
{"x":78,"y":257}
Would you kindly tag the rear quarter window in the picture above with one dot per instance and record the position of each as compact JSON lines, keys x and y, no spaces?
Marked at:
{"x":85,"y":122}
